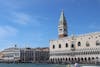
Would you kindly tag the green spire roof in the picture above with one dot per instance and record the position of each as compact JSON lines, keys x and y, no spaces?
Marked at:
{"x":62,"y":19}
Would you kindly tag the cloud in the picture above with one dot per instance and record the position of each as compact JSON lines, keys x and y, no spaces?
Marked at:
{"x":20,"y":18}
{"x":12,"y":10}
{"x":25,"y":19}
{"x":7,"y":31}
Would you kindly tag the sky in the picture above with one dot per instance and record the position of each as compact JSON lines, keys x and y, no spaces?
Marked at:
{"x":33,"y":23}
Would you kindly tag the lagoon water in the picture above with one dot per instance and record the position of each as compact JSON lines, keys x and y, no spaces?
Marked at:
{"x":42,"y":65}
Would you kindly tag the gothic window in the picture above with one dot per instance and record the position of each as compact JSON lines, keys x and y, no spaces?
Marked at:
{"x":82,"y":58}
{"x":79,"y":43}
{"x":53,"y":46}
{"x":87,"y":44}
{"x":72,"y":45}
{"x":72,"y":59}
{"x":89,"y":38}
{"x":92,"y":58}
{"x":96,"y":57}
{"x":85,"y":59}
{"x":69,"y":59}
{"x":66,"y":59}
{"x":97,"y":42}
{"x":89,"y":58}
{"x":59,"y":45}
{"x":78,"y":59}
{"x":66,"y":44}
{"x":75,"y":58}
{"x":61,"y":59}
{"x":58,"y":59}
{"x":51,"y":60}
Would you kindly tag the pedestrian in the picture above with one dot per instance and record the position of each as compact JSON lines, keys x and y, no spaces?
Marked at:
{"x":76,"y":65}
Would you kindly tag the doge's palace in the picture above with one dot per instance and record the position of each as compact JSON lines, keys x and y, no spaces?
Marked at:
{"x":70,"y":49}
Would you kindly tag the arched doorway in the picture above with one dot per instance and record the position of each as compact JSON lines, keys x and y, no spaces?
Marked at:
{"x":58,"y":60}
{"x":66,"y":59}
{"x":85,"y":59}
{"x":69,"y":59}
{"x":75,"y":59}
{"x":51,"y":60}
{"x":82,"y":59}
{"x":89,"y":59}
{"x":78,"y":59}
{"x":72,"y":46}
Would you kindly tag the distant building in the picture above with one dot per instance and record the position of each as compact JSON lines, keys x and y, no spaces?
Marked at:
{"x":27,"y":55}
{"x":42,"y":54}
{"x":35,"y":55}
{"x":1,"y":55}
{"x":70,"y":49}
{"x":11,"y":54}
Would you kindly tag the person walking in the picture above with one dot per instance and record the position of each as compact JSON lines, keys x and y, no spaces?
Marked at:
{"x":76,"y":65}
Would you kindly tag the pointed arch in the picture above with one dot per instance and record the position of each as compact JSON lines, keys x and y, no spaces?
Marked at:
{"x":87,"y":44}
{"x":97,"y":42}
{"x":53,"y":47}
{"x":59,"y":45}
{"x":79,"y":43}
{"x":72,"y":45}
{"x":66,"y":45}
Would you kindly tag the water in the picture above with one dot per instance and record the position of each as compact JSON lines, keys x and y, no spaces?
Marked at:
{"x":42,"y":65}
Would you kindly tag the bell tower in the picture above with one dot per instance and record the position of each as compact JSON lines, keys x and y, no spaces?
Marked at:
{"x":62,"y":27}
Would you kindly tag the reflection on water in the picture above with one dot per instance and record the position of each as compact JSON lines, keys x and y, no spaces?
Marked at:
{"x":81,"y":65}
{"x":44,"y":65}
{"x":90,"y":66}
{"x":72,"y":65}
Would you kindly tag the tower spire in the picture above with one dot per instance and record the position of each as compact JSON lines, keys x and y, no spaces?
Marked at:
{"x":62,"y":19}
{"x":62,"y":28}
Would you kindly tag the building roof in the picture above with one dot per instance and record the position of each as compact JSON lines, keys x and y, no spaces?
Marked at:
{"x":62,"y":19}
{"x":76,"y":36}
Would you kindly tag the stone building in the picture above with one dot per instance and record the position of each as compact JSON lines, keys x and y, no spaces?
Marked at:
{"x":34,"y":55}
{"x":11,"y":54}
{"x":1,"y":55}
{"x":25,"y":55}
{"x":70,"y":49}
{"x":42,"y":55}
